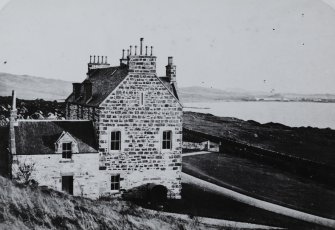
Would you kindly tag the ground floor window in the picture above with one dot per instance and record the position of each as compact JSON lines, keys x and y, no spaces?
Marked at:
{"x":115,"y":182}
{"x":67,"y":184}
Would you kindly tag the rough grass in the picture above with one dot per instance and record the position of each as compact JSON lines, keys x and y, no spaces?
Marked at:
{"x":313,"y":144}
{"x":24,"y":207}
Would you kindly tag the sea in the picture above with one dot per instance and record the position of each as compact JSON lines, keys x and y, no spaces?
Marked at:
{"x":294,"y":114}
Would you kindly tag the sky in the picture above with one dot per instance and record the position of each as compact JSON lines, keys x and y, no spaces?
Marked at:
{"x":259,"y":45}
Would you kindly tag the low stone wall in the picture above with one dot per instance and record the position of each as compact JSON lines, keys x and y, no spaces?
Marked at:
{"x":313,"y":170}
{"x":206,"y":145}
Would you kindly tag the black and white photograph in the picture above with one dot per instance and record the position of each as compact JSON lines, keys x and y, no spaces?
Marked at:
{"x":167,"y":115}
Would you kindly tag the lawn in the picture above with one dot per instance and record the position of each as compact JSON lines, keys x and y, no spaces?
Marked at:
{"x":263,"y":182}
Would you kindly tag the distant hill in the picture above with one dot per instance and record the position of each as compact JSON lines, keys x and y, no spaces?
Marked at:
{"x":202,"y":94}
{"x":31,"y":87}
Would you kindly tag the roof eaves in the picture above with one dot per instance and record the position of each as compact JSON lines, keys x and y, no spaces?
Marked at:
{"x":169,"y":91}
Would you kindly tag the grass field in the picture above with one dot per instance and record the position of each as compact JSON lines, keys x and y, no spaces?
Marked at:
{"x":263,"y":182}
{"x":199,"y":202}
{"x":308,"y":143}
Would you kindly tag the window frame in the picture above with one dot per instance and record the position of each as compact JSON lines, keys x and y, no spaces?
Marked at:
{"x":67,"y":153}
{"x":117,"y":141}
{"x":115,"y":182}
{"x":166,"y":140}
{"x":115,"y":129}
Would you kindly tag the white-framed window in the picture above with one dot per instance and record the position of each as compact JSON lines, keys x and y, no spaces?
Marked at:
{"x":115,"y":182}
{"x":67,"y":150}
{"x":115,"y":140}
{"x":167,"y":139}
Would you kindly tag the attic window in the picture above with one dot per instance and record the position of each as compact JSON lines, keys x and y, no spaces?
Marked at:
{"x":67,"y":150}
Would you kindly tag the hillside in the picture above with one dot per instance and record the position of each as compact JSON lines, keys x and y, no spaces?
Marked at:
{"x":30,"y":87}
{"x":40,"y":208}
{"x":313,"y":144}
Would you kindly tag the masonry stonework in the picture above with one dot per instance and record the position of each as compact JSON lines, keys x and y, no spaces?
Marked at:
{"x":49,"y":168}
{"x":142,"y":159}
{"x":129,"y":100}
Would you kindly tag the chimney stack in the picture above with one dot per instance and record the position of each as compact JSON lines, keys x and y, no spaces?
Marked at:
{"x":76,"y":90}
{"x":87,"y":90}
{"x":123,"y":60}
{"x":171,"y":70}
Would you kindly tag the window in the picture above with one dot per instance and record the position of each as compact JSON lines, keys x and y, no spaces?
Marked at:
{"x":167,"y":142}
{"x":67,"y":150}
{"x":142,"y":98}
{"x":115,"y":182}
{"x":116,"y":140}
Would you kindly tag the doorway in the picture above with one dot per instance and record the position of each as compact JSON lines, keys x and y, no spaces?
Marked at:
{"x":67,"y":184}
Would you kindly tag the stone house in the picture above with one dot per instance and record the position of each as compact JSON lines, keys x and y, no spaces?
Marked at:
{"x":122,"y":133}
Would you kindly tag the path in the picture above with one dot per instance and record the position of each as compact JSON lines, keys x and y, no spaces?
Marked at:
{"x":195,"y":153}
{"x":259,"y":203}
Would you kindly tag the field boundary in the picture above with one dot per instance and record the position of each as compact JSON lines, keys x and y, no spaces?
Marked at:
{"x":186,"y":178}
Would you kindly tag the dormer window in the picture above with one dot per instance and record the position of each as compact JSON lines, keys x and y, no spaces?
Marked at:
{"x":67,"y":150}
{"x":66,"y":145}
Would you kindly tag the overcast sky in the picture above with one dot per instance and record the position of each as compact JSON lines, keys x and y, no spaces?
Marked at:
{"x":285,"y":45}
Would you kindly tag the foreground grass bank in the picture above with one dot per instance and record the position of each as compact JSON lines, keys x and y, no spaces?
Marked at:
{"x":35,"y":208}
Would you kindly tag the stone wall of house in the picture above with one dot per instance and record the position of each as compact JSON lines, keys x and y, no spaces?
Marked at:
{"x":80,"y":112}
{"x":141,"y":159}
{"x":49,"y":168}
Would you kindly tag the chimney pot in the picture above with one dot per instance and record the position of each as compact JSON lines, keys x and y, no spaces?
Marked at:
{"x":14,"y":100}
{"x":135,"y":50}
{"x":170,"y":60}
{"x":106,"y":60}
{"x":94,"y":59}
{"x":151,"y":50}
{"x":130,"y":50}
{"x":141,"y":42}
{"x":90,"y":58}
{"x":123,"y":54}
{"x":102,"y":59}
{"x":98,"y":59}
{"x":146,"y":50}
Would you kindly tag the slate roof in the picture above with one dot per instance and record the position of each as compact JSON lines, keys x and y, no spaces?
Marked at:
{"x":104,"y":81}
{"x":39,"y":137}
{"x":171,"y":87}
